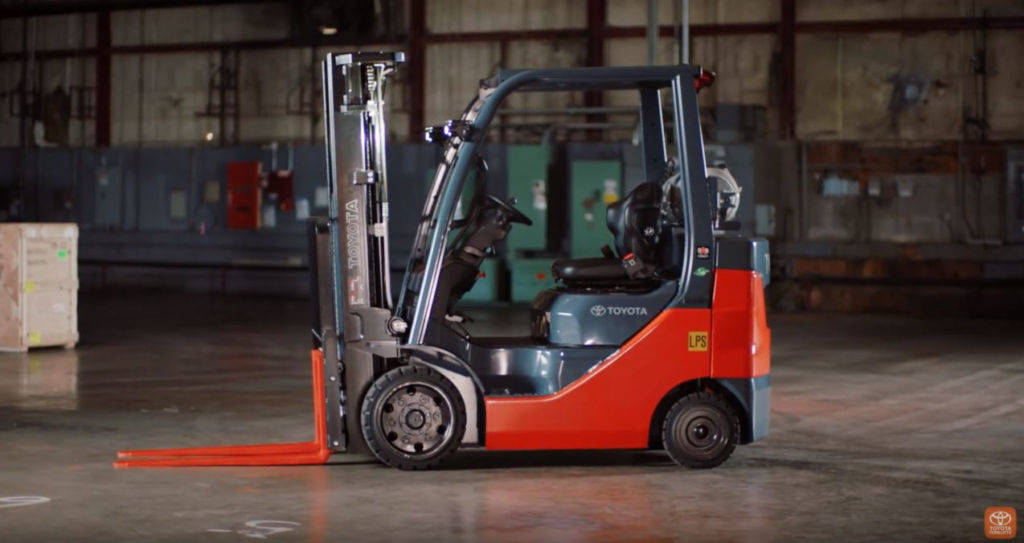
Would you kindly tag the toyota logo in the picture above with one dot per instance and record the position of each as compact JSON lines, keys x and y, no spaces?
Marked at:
{"x":597,"y":310}
{"x":1000,"y":518}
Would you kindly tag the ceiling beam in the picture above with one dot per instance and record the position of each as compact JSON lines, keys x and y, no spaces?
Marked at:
{"x":800,"y":27}
{"x":42,"y":7}
{"x":910,"y":25}
{"x":507,"y":35}
{"x":724,"y":29}
{"x":171,"y":48}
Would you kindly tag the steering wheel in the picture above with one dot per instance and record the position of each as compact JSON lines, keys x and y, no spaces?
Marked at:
{"x":510,"y":212}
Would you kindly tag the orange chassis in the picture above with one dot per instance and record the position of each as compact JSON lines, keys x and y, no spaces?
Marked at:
{"x":590,"y":413}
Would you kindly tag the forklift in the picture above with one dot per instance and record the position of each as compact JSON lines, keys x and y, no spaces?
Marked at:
{"x":660,"y":342}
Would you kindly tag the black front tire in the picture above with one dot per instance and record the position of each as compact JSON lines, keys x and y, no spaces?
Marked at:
{"x":413,"y":418}
{"x":700,"y":430}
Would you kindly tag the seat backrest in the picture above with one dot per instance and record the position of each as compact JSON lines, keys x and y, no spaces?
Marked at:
{"x":634,"y":223}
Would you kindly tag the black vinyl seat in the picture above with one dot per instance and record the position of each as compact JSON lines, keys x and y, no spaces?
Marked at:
{"x":634,"y":224}
{"x":589,"y":269}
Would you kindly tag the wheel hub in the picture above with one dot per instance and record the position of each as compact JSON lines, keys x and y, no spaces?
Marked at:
{"x":702,"y":432}
{"x":416,"y":418}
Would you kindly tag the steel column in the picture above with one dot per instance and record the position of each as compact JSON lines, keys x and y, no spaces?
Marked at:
{"x":684,"y":32}
{"x":652,"y":32}
{"x":417,"y":66}
{"x":787,"y":47}
{"x":103,"y":79}
{"x":597,"y":21}
{"x":653,"y":129}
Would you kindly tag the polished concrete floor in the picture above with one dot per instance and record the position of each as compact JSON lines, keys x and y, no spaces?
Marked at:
{"x":883,"y":429}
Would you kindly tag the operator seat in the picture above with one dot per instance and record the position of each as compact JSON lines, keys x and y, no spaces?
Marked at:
{"x":634,"y":222}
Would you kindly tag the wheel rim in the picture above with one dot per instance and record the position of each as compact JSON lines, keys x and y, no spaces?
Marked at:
{"x":416,"y":418}
{"x":702,"y":432}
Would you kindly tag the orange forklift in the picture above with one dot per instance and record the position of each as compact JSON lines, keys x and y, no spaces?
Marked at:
{"x":660,"y":342}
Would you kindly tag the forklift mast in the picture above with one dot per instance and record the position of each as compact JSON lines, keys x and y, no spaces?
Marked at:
{"x":353,"y":267}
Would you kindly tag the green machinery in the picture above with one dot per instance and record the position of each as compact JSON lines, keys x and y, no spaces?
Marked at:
{"x":486,"y":287}
{"x":593,"y":185}
{"x":529,"y":269}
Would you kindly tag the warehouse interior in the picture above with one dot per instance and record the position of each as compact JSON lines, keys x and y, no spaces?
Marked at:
{"x":178,"y":149}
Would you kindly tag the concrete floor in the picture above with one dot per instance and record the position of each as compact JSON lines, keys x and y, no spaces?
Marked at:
{"x":883,"y":428}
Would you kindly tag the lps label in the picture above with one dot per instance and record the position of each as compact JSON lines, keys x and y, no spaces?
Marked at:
{"x":698,"y":341}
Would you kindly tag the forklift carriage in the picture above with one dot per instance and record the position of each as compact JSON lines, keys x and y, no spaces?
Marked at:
{"x":660,"y":342}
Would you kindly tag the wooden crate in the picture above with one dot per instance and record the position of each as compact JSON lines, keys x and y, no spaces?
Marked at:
{"x":38,"y":285}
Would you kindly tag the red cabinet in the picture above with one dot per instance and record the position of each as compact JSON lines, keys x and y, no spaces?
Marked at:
{"x":245,"y":180}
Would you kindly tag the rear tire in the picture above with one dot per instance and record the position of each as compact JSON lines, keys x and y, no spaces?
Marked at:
{"x":700,"y":430}
{"x":413,"y":418}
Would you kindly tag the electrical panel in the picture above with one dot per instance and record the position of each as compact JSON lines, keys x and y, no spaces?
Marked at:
{"x":281,"y":189}
{"x":528,"y":184}
{"x":1015,"y":196}
{"x":529,"y":276}
{"x":107,"y":206}
{"x":245,"y":183}
{"x":486,"y":287}
{"x":596,"y":184}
